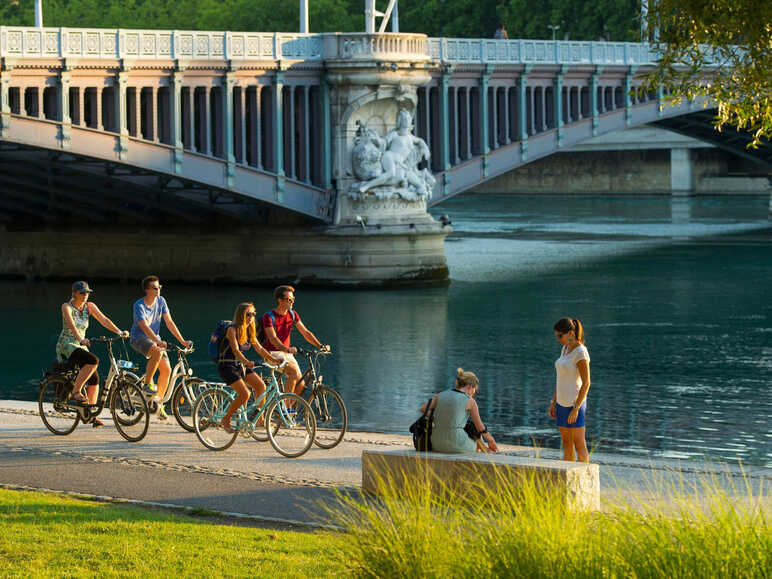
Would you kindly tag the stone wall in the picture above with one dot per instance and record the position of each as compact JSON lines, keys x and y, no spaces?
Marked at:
{"x":625,"y":171}
{"x":351,"y":256}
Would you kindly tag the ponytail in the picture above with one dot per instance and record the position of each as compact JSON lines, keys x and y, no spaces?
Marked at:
{"x":565,"y":325}
{"x":465,"y":378}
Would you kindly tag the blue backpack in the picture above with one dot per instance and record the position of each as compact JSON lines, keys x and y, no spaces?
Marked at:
{"x":216,"y":340}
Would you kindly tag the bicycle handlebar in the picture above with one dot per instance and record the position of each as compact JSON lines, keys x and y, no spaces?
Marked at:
{"x":274,"y":366}
{"x":179,"y":349}
{"x":106,"y":339}
{"x":317,"y":351}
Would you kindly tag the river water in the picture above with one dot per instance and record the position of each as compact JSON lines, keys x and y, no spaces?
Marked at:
{"x":674,"y":295}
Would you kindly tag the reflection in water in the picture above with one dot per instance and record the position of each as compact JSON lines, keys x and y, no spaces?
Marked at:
{"x":679,"y":330}
{"x":680,"y":209}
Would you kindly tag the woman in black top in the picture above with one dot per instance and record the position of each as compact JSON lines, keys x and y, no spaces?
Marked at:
{"x":234,"y":367}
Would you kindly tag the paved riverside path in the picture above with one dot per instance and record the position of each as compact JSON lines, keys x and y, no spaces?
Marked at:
{"x":170,"y":466}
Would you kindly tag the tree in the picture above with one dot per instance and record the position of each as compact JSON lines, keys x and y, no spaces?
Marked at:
{"x":720,"y":49}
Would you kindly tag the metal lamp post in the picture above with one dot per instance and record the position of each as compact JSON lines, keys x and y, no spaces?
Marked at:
{"x":554,"y":28}
{"x":39,"y":13}
{"x":304,"y":16}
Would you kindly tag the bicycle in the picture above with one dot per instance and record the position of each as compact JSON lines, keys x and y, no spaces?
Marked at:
{"x":286,"y":418}
{"x":120,"y":391}
{"x":328,"y":406}
{"x":183,"y":389}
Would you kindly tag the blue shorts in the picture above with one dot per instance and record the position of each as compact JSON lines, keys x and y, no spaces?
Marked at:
{"x":561,"y":416}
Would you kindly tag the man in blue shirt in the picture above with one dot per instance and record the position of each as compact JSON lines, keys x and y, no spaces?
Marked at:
{"x":148,"y":313}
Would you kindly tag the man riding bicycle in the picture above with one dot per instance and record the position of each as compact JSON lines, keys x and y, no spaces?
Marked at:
{"x":277,"y":327}
{"x":148,"y":313}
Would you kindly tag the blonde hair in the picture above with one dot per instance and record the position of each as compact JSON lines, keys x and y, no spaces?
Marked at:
{"x":245,"y":328}
{"x":466,"y":379}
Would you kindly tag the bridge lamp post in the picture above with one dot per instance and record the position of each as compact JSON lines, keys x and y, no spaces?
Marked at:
{"x":304,"y":16}
{"x":554,"y":28}
{"x":39,"y":13}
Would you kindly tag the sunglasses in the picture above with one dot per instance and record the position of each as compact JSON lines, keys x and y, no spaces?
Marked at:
{"x":251,"y":314}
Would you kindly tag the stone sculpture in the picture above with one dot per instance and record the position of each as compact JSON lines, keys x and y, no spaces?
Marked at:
{"x":388,"y":166}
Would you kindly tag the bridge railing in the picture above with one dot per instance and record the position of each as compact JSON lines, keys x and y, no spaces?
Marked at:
{"x":489,"y":51}
{"x":28,"y":42}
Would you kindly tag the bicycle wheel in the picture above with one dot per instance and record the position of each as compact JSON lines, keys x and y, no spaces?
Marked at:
{"x":331,"y":417}
{"x":129,"y":409}
{"x":58,"y":417}
{"x":290,"y":425}
{"x":184,"y":398}
{"x":208,"y":411}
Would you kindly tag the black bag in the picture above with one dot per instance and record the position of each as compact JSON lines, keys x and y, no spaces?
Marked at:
{"x":471,"y":430}
{"x":421,"y":430}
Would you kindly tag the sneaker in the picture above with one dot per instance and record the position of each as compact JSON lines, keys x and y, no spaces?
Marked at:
{"x":162,"y":413}
{"x":150,"y":389}
{"x":96,"y":423}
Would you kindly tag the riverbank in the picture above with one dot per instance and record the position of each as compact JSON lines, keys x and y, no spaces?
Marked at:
{"x":171,"y":468}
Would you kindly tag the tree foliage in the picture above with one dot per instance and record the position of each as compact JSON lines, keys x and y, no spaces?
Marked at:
{"x":720,"y":49}
{"x":578,"y":19}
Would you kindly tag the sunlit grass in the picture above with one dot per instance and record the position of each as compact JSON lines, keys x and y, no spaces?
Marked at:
{"x":700,"y":530}
{"x":45,"y":535}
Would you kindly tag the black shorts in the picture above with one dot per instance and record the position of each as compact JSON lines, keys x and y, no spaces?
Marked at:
{"x":231,"y":372}
{"x":81,"y":357}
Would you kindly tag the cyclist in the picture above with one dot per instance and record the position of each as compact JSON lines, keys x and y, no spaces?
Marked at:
{"x":233,"y":366}
{"x":72,"y":346}
{"x":148,"y":312}
{"x":277,"y":326}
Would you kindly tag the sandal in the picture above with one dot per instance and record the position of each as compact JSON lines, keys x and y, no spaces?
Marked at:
{"x":228,"y":428}
{"x":78,"y":397}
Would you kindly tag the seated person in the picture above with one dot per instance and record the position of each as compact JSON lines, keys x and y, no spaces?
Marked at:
{"x":452,"y":410}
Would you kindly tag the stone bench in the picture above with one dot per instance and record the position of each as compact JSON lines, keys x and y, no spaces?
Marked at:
{"x":579,"y":481}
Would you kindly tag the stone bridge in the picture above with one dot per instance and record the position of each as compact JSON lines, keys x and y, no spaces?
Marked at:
{"x":248,"y":137}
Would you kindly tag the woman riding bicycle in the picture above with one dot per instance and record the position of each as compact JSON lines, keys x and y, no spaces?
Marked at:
{"x":72,"y":346}
{"x":233,"y":366}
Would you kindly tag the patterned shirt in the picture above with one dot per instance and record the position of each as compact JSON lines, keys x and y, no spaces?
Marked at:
{"x":68,"y":343}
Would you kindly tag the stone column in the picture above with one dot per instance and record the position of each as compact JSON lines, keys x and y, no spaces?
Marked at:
{"x":207,"y":128}
{"x":326,"y":135}
{"x":559,"y":104}
{"x":230,"y":168}
{"x":468,"y":128}
{"x":5,"y":104}
{"x":256,"y":132}
{"x":594,"y":99}
{"x":40,"y":112}
{"x":628,"y":97}
{"x":278,"y":132}
{"x":307,"y":133}
{"x":64,"y":107}
{"x":495,"y":116}
{"x":153,"y":107}
{"x":445,"y":119}
{"x":484,"y":121}
{"x":243,"y":124}
{"x":98,"y":108}
{"x":138,"y":113}
{"x":681,"y":171}
{"x":175,"y":114}
{"x":292,"y":172}
{"x":121,"y":120}
{"x":507,"y":127}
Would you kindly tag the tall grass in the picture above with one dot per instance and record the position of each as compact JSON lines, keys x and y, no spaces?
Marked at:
{"x":525,"y":530}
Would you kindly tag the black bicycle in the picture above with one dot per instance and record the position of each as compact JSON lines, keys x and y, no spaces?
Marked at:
{"x":327,"y":405}
{"x":121,"y":392}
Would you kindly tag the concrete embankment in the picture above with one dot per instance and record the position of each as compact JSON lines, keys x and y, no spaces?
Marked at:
{"x":171,"y":467}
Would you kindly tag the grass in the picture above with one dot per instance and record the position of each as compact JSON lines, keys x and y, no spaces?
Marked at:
{"x":701,"y":530}
{"x":46,"y":535}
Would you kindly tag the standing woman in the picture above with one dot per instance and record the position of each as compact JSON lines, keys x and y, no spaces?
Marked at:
{"x":73,"y":345}
{"x":573,"y":382}
{"x":233,"y":366}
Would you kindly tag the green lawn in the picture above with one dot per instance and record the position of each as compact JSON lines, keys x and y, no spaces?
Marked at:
{"x":44,"y":535}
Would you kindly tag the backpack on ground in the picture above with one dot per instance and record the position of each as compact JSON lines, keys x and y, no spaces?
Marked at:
{"x":216,"y":340}
{"x":261,"y":328}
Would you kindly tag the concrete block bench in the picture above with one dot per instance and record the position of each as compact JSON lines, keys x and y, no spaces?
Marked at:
{"x":579,"y":481}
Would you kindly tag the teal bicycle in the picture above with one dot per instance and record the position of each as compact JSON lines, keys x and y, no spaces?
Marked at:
{"x":286,"y":419}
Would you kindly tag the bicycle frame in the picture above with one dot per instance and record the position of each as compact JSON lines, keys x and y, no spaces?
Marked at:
{"x":269,"y":396}
{"x":181,"y":370}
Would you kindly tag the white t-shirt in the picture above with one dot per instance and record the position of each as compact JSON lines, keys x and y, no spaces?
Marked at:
{"x":568,"y":380}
